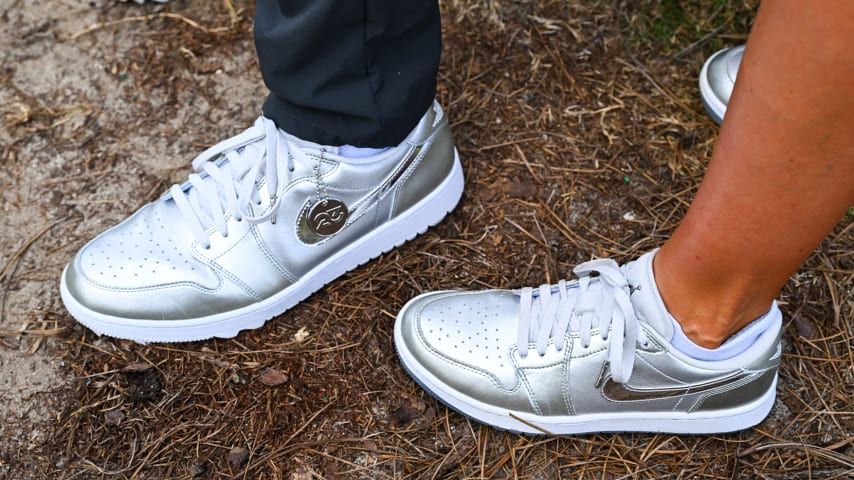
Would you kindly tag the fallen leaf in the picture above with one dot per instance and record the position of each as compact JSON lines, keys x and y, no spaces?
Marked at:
{"x":272,"y":377}
{"x":136,"y":367}
{"x":411,"y":409}
{"x":520,"y":189}
{"x":806,"y":328}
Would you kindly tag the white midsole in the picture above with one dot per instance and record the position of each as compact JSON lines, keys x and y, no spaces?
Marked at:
{"x":426,"y":213}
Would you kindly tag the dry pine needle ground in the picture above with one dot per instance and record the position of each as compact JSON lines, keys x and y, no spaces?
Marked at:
{"x":581,"y":134}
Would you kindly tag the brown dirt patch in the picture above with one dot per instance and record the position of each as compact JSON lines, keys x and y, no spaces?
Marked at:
{"x":582,"y":135}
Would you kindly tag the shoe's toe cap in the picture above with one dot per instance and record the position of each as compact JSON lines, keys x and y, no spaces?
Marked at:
{"x":463,"y":342}
{"x":137,"y":270}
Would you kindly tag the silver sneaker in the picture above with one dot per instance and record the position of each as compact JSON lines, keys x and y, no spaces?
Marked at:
{"x":717,"y":79}
{"x":592,"y":355}
{"x":266,"y":220}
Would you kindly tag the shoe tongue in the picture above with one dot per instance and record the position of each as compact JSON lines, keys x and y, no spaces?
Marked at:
{"x":247,"y":155}
{"x":240,"y":164}
{"x":308,"y":145}
{"x":649,"y":307}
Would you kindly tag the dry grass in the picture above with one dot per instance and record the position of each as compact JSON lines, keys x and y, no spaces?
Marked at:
{"x":582,"y":135}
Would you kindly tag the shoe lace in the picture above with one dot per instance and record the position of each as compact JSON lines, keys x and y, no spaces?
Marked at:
{"x":599,"y":300}
{"x":228,"y":177}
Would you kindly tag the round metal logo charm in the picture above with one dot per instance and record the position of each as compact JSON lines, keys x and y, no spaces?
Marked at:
{"x":327,"y":216}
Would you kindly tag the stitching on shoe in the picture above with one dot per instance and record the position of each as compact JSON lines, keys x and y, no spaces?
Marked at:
{"x":480,"y":372}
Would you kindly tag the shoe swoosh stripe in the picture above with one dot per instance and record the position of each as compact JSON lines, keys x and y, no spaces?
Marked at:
{"x":410,"y":157}
{"x":619,"y":392}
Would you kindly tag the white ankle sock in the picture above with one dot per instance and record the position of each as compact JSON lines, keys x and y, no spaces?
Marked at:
{"x":734,"y":345}
{"x":350,"y":151}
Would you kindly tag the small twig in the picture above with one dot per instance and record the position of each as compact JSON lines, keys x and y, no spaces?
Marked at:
{"x":841,"y":443}
{"x":42,"y":332}
{"x":504,"y":144}
{"x":146,"y":18}
{"x":825,"y":453}
{"x":535,"y":427}
{"x":235,"y":17}
{"x":702,"y":41}
{"x":17,"y":255}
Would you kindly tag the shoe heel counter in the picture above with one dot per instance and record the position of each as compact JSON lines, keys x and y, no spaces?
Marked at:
{"x":435,"y":164}
{"x":759,"y":376}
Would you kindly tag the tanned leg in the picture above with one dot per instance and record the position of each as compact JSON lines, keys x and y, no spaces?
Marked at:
{"x":781,"y":175}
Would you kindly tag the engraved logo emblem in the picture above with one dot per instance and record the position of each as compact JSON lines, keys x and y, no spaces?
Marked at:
{"x":326,"y":217}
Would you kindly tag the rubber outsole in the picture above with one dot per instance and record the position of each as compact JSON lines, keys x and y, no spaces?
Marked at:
{"x":416,"y":220}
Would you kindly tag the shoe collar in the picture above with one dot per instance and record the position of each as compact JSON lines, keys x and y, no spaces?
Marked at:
{"x":649,"y":306}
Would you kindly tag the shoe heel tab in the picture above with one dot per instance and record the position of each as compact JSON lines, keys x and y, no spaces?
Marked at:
{"x":432,"y":121}
{"x":438,"y":113}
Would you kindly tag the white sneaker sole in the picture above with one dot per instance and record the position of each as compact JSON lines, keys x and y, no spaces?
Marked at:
{"x":639,"y":421}
{"x":714,"y":106}
{"x":423,"y":215}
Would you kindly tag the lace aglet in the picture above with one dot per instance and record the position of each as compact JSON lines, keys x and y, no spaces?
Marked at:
{"x":273,"y":199}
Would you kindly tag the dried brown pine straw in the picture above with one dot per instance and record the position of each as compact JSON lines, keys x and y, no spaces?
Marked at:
{"x":147,"y":18}
{"x":554,"y":104}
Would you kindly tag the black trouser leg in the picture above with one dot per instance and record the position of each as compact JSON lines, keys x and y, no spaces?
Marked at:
{"x":358,"y":72}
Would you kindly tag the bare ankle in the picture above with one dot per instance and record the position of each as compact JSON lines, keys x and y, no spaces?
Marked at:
{"x":709,"y":308}
{"x":700,"y":334}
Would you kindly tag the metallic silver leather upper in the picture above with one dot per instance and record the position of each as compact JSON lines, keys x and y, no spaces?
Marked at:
{"x":468,"y":341}
{"x":153,"y":266}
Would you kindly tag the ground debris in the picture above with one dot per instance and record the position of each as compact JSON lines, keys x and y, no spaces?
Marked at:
{"x":197,"y":469}
{"x":806,"y":327}
{"x":238,"y":377}
{"x":237,"y":457}
{"x":520,"y":189}
{"x":113,"y":417}
{"x":301,"y":335}
{"x":143,"y":382}
{"x":137,"y":367}
{"x":272,"y":377}
{"x":411,"y":409}
{"x":96,"y":126}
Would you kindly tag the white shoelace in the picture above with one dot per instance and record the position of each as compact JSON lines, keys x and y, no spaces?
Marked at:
{"x":228,"y":179}
{"x":601,"y":302}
